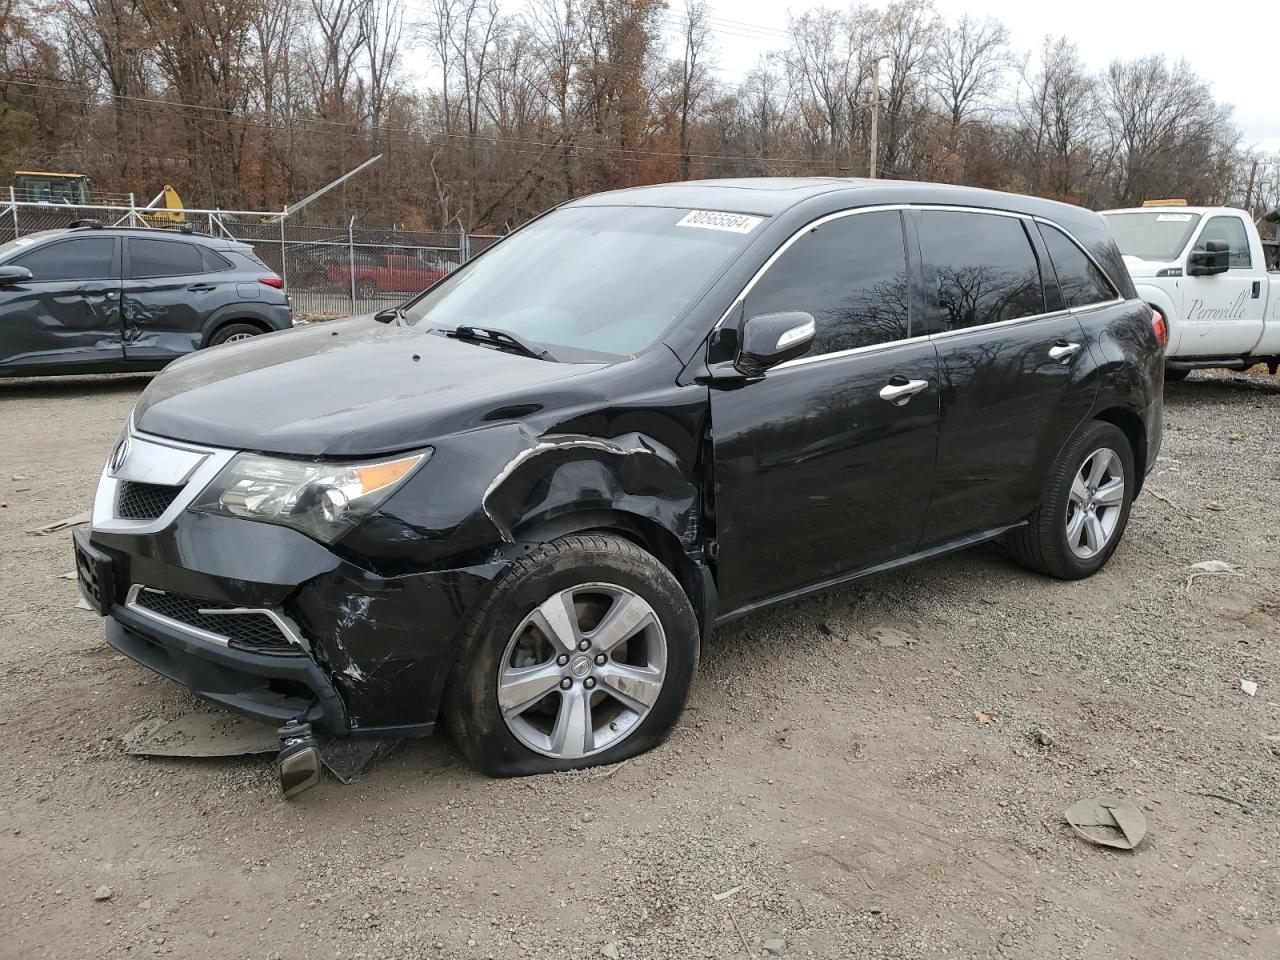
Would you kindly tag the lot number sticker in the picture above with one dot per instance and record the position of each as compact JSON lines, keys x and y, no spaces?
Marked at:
{"x":1173,"y":217}
{"x":714,"y":220}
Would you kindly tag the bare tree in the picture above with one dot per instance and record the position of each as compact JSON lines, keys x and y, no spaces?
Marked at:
{"x":1058,"y":124}
{"x":1166,"y":129}
{"x":694,"y":73}
{"x":968,"y":65}
{"x":908,"y":30}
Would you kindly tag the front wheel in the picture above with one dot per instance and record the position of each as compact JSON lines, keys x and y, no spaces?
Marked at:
{"x":1085,"y":508}
{"x":1176,"y":374}
{"x":583,"y":655}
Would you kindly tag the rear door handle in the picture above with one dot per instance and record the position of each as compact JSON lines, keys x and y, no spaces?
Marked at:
{"x":1063,"y":351}
{"x":200,"y":287}
{"x":899,"y":390}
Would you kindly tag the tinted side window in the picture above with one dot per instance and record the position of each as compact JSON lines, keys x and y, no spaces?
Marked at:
{"x":87,"y":258}
{"x":1079,"y":280}
{"x":213,"y":262}
{"x":983,"y":267}
{"x":850,"y":273}
{"x":163,"y":258}
{"x":1230,"y":229}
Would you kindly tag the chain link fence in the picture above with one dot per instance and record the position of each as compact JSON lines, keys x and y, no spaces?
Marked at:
{"x":329,"y":271}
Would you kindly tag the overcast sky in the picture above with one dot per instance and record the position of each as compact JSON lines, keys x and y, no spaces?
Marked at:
{"x":1231,"y":45}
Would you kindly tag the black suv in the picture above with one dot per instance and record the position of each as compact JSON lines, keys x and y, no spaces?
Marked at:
{"x":96,"y":299}
{"x":524,"y":499}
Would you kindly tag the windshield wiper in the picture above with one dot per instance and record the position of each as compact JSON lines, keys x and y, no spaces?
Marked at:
{"x":500,"y":338}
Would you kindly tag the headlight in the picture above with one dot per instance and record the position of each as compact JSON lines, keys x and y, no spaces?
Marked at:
{"x":324,"y":500}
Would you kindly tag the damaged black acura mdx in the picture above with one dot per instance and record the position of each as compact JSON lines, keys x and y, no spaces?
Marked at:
{"x":519,"y":503}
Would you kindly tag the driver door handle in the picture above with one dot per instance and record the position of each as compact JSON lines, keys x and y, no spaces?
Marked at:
{"x":1063,"y":351}
{"x":899,"y":390}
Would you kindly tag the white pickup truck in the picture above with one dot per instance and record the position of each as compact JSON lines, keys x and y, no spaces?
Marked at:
{"x":1212,"y":276}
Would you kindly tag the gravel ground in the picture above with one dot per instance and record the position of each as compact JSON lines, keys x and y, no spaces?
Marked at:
{"x":831,"y":791}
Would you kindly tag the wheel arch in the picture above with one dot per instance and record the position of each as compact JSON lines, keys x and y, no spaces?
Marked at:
{"x":223,"y":324}
{"x":1135,"y":430}
{"x":646,"y":533}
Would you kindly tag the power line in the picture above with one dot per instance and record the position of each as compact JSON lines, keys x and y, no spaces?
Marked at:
{"x":480,"y":141}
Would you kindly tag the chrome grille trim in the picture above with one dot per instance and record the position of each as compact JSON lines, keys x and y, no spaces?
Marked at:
{"x":289,"y":631}
{"x":158,"y":461}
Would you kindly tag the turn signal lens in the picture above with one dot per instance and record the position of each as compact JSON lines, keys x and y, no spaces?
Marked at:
{"x":1161,"y":328}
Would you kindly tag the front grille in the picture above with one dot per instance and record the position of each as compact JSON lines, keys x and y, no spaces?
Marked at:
{"x":255,"y":632}
{"x":144,"y":501}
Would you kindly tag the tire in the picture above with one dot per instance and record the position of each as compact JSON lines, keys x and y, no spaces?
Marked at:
{"x":1044,"y":544}
{"x":366,"y":290}
{"x":598,"y":572}
{"x":1175,"y":374}
{"x":234,"y":331}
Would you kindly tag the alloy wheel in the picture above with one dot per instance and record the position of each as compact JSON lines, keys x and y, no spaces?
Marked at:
{"x":1095,"y":503}
{"x":582,"y":670}
{"x":237,"y":337}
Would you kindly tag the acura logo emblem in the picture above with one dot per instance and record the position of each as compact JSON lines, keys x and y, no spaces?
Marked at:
{"x":119,"y":455}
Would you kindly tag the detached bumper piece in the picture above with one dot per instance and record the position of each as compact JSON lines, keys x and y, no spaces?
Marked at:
{"x":269,"y":687}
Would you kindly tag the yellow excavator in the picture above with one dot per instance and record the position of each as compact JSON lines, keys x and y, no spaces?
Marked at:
{"x":42,"y":186}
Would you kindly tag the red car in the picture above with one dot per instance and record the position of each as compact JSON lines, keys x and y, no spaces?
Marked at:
{"x":387,"y":273}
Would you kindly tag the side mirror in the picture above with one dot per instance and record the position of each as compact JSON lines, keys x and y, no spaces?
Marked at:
{"x":1213,"y":259}
{"x":774,"y":338}
{"x":14,"y":274}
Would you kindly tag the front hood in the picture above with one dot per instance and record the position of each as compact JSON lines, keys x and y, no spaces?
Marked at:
{"x":1140,"y":269}
{"x":347,"y":388}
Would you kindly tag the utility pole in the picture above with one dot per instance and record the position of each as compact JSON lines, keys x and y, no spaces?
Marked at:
{"x":1248,"y":193}
{"x":875,"y":114}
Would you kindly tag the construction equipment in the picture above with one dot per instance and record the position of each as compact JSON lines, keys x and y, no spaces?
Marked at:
{"x":72,"y":189}
{"x":39,"y":186}
{"x":168,"y":214}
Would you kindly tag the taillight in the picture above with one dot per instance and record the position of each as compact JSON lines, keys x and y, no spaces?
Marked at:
{"x":272,"y":281}
{"x":1161,"y":328}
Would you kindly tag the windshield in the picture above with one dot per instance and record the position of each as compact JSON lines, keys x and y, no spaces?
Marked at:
{"x":589,"y":282}
{"x":1158,"y":235}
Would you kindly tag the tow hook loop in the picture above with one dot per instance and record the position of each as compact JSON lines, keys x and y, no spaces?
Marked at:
{"x":298,"y":762}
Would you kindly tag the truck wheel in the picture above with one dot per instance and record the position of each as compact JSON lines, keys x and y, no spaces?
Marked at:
{"x":1085,"y":508}
{"x":582,"y":655}
{"x":1175,"y":374}
{"x":234,"y":332}
{"x":366,"y":290}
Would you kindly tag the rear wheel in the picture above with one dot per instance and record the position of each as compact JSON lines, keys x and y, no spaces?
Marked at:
{"x":1085,"y":508}
{"x":233,"y":333}
{"x":583,"y":655}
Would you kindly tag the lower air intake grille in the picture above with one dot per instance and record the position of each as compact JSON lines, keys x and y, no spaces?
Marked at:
{"x":144,"y":501}
{"x":255,"y":632}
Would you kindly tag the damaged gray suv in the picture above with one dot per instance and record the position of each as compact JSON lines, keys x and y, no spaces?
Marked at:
{"x":519,"y":503}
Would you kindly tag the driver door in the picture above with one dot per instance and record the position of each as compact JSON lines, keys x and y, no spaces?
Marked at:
{"x":817,"y":474}
{"x":67,"y":315}
{"x":1223,"y":313}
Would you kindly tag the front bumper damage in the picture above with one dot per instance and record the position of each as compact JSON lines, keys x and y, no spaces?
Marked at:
{"x":375,"y":652}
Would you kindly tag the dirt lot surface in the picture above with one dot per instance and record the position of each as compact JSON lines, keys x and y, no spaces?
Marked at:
{"x":858,"y":775}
